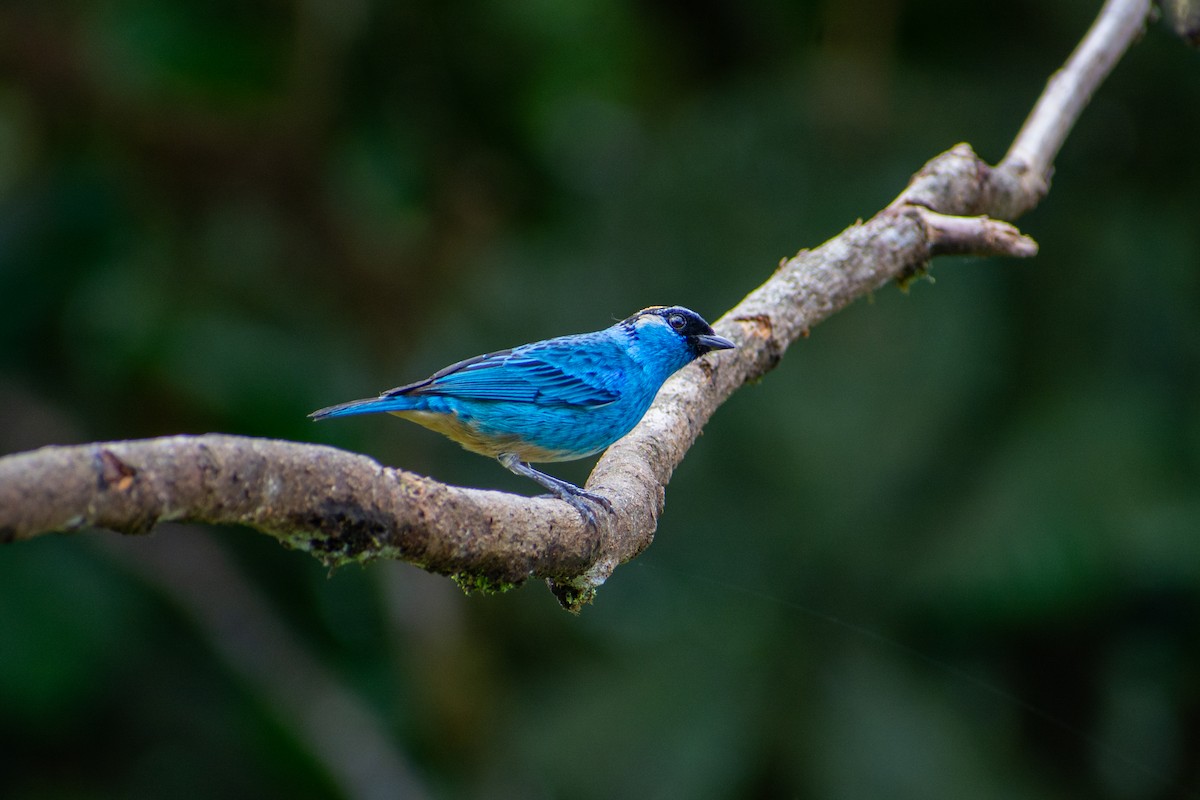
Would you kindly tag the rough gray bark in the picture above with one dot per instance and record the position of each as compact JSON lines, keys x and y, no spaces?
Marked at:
{"x":344,"y":507}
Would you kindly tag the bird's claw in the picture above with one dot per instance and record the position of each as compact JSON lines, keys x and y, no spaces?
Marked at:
{"x":600,"y":500}
{"x":581,"y":500}
{"x":582,"y":504}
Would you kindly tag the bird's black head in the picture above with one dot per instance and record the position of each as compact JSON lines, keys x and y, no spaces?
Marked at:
{"x":690,"y":326}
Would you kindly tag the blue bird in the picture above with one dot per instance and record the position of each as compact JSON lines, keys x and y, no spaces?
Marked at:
{"x":554,"y":400}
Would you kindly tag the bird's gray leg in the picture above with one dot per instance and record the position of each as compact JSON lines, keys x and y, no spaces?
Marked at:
{"x":563,"y":490}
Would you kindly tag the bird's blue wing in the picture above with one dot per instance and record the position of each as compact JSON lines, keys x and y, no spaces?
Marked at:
{"x":578,"y":371}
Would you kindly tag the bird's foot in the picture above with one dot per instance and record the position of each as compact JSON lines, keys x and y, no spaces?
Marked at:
{"x":584,"y":494}
{"x":583,"y":501}
{"x":579,"y":499}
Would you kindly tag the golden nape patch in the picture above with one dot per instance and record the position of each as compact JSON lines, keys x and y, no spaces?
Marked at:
{"x":648,"y":319}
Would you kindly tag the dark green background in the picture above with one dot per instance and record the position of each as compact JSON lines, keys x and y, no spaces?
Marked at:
{"x":949,"y":549}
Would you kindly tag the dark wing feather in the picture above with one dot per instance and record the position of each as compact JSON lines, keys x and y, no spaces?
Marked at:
{"x":570,"y":371}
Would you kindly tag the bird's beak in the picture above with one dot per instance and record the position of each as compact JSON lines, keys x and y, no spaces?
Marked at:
{"x":713,"y":342}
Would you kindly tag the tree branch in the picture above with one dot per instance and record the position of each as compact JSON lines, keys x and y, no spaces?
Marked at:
{"x":1030,"y":160}
{"x":344,"y":507}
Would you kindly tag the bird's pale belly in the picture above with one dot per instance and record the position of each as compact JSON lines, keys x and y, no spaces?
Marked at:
{"x":534,"y":433}
{"x":467,"y":434}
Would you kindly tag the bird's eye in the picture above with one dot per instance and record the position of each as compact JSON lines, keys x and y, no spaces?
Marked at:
{"x":676,"y":321}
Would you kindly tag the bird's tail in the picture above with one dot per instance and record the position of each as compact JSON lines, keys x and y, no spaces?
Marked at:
{"x":371,"y":405}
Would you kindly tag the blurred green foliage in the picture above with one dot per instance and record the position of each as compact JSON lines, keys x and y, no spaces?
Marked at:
{"x":948,"y":549}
